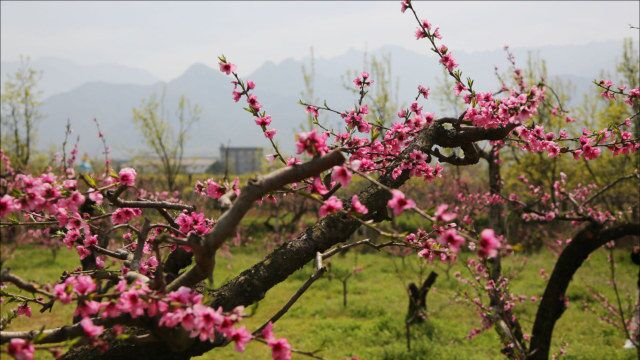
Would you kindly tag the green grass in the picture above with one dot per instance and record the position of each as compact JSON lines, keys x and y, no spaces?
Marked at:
{"x":372,"y":326}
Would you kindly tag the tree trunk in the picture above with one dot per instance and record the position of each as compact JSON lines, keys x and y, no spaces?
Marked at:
{"x":553,"y":305}
{"x":417,"y":311}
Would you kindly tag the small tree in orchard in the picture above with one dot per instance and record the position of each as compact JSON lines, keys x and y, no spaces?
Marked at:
{"x":162,"y":138}
{"x":143,"y":292}
{"x":19,"y":109}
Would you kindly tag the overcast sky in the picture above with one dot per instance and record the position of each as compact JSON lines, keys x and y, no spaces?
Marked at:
{"x":166,"y":37}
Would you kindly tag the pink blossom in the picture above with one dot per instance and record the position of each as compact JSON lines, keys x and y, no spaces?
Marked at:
{"x":270,"y":133}
{"x":8,"y":204}
{"x":24,"y":309}
{"x":90,"y":240}
{"x":423,"y":91}
{"x":124,"y":215}
{"x":448,"y":61}
{"x":87,"y":308}
{"x":293,"y":161}
{"x":76,"y":199}
{"x":252,"y":100}
{"x":21,"y":349}
{"x":416,"y":108}
{"x":267,"y":332}
{"x":357,"y":206}
{"x":362,"y":80}
{"x":96,"y":197}
{"x":399,"y":202}
{"x":84,"y":285}
{"x":317,"y":186}
{"x":280,"y":349}
{"x":420,"y":34}
{"x":312,"y":143}
{"x":263,"y":120}
{"x":404,"y":5}
{"x":70,"y":184}
{"x":442,"y":215}
{"x":131,"y":303}
{"x":459,"y":88}
{"x":90,"y":329}
{"x":62,"y":292}
{"x":127,"y":176}
{"x":489,"y":244}
{"x":451,"y":238}
{"x":110,"y":309}
{"x":240,"y":337}
{"x":83,"y":252}
{"x":426,"y":24}
{"x":590,"y":152}
{"x":312,"y":110}
{"x":226,"y":67}
{"x":342,"y":175}
{"x":195,"y":222}
{"x":436,"y":33}
{"x":330,"y":206}
{"x":214,"y":190}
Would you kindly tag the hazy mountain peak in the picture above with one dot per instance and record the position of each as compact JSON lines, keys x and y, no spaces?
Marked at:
{"x":278,"y":86}
{"x":60,"y":75}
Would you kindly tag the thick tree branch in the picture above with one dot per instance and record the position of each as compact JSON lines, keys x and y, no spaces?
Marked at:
{"x":252,"y":192}
{"x":6,"y":276}
{"x":552,"y":304}
{"x":60,"y":334}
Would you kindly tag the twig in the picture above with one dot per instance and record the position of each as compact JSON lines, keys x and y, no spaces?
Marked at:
{"x":612,"y":269}
{"x":609,"y":187}
{"x":118,"y":254}
{"x":316,"y":275}
{"x":142,"y":238}
{"x":5,"y":276}
{"x":311,"y":354}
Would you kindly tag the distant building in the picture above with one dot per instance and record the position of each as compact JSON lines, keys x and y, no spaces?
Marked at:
{"x":241,"y":160}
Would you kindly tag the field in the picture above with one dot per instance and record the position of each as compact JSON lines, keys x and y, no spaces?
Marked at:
{"x":372,"y":325}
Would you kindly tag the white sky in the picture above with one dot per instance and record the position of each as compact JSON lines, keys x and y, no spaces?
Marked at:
{"x":166,"y":37}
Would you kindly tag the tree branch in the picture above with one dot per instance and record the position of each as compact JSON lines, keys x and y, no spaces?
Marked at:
{"x":253,"y":191}
{"x":552,"y":304}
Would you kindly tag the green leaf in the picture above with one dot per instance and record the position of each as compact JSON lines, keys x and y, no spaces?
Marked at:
{"x":89,"y":180}
{"x":13,"y":219}
{"x":375,"y":132}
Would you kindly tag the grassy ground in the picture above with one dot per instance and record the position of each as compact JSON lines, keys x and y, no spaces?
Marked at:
{"x":372,"y":325}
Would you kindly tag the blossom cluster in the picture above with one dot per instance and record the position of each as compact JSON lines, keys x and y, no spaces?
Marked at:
{"x":182,"y":307}
{"x":566,"y":203}
{"x":194,"y":222}
{"x":240,"y":89}
{"x":633,"y":95}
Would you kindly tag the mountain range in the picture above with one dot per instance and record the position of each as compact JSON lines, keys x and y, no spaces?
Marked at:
{"x":109,"y":92}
